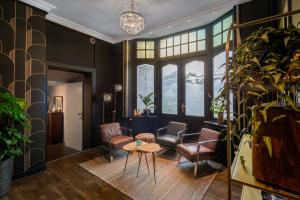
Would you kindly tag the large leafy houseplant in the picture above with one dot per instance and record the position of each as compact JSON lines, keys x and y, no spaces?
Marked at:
{"x":218,"y":105}
{"x":13,"y":118}
{"x":265,"y":73}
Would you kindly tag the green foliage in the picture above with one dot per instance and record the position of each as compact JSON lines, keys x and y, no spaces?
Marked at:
{"x":264,"y":72}
{"x":12,"y":115}
{"x":148,"y":100}
{"x":218,"y":105}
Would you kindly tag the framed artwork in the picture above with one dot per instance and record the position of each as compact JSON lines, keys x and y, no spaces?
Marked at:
{"x":58,"y":103}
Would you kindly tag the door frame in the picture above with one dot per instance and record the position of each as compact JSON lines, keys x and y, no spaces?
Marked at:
{"x":89,"y":90}
{"x":193,"y":121}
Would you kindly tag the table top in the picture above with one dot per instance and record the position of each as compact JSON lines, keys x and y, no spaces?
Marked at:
{"x":144,"y":147}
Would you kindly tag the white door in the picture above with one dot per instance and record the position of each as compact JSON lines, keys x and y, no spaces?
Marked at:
{"x":73,"y":107}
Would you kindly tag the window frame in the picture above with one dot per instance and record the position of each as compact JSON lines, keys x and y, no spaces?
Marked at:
{"x":220,"y":20}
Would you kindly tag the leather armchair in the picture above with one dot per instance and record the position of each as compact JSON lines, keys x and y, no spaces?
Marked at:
{"x":170,"y":135}
{"x":202,"y":149}
{"x":113,"y":138}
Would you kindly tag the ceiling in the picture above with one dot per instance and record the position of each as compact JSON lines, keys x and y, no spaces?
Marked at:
{"x":100,"y":18}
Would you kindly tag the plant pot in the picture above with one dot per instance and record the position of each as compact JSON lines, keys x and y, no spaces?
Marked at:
{"x":283,"y":168}
{"x":220,"y":119}
{"x":146,"y":112}
{"x":6,"y":170}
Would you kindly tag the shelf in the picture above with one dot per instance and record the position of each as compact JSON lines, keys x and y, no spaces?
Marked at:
{"x":250,"y":193}
{"x":243,"y":175}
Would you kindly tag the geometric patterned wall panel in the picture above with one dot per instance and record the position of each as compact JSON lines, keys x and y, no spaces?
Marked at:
{"x":23,"y":73}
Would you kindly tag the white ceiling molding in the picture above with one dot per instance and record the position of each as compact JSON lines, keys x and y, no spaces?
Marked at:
{"x":40,"y":4}
{"x":78,"y":27}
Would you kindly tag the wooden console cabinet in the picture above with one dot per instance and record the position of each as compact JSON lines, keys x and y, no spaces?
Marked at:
{"x":55,"y":128}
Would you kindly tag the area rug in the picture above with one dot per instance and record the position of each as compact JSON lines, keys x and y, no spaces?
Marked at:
{"x":173,"y":182}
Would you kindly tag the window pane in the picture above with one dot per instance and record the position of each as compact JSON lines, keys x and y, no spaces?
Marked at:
{"x":149,"y":53}
{"x":170,"y":42}
{"x":226,"y":22}
{"x":145,"y":83}
{"x":225,"y":36}
{"x":218,"y":73}
{"x":184,"y":48}
{"x":193,"y":47}
{"x":169,"y":89}
{"x":140,"y":45}
{"x":217,"y":28}
{"x":177,"y":40}
{"x":194,"y":88}
{"x":184,"y":38}
{"x":170,"y":51}
{"x":217,"y":40}
{"x":163,"y":53}
{"x":140,"y":54}
{"x":192,"y":36}
{"x":201,"y":45}
{"x":150,"y":45}
{"x":163,"y":43}
{"x":201,"y":34}
{"x":176,"y":50}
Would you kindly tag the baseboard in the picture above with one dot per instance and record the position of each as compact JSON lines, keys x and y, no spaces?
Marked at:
{"x":30,"y":172}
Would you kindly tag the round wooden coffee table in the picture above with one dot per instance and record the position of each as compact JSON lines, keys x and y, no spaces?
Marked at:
{"x":151,"y":148}
{"x":144,"y":148}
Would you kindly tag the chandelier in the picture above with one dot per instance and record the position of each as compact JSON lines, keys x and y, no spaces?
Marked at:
{"x":131,"y":20}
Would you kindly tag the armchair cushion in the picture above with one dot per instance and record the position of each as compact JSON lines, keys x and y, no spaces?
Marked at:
{"x":189,"y":151}
{"x":167,"y":140}
{"x":175,"y":127}
{"x":110,"y":130}
{"x":208,"y":134}
{"x":119,"y":140}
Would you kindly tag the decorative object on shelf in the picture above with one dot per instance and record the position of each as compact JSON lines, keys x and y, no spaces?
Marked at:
{"x":12,"y":114}
{"x":117,"y":88}
{"x":131,"y":20}
{"x":107,"y":98}
{"x":58,"y":103}
{"x":265,"y":76}
{"x":148,"y":102}
{"x":218,"y":108}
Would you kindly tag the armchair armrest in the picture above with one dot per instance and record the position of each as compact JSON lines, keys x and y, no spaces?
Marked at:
{"x":205,"y":142}
{"x":189,"y":134}
{"x":126,"y":129}
{"x":160,"y":130}
{"x":180,"y":133}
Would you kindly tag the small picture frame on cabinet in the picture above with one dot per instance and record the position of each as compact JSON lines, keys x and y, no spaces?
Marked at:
{"x":58,"y":103}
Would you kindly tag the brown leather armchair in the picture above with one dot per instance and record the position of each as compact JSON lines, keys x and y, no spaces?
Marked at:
{"x":203,"y":149}
{"x":170,"y":135}
{"x":113,"y":138}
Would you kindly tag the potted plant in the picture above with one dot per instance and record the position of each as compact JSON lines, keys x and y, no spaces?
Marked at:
{"x":13,"y":118}
{"x":265,"y":74}
{"x":148,"y":102}
{"x":218,"y":108}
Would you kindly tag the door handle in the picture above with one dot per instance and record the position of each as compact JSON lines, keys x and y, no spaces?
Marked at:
{"x":183,"y":108}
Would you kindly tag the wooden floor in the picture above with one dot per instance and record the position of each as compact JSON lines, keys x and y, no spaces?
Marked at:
{"x":57,"y":151}
{"x":64,"y":179}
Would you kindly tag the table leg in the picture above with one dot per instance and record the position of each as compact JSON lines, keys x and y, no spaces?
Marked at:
{"x":154,"y":166}
{"x":126,"y":162}
{"x":147,"y":162}
{"x":140,"y":158}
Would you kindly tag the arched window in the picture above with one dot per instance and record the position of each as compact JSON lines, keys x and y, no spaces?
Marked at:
{"x":169,"y":89}
{"x":145,"y":83}
{"x":194,"y":88}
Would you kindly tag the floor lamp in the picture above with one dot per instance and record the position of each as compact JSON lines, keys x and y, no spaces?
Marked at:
{"x":107,"y":98}
{"x":117,"y":88}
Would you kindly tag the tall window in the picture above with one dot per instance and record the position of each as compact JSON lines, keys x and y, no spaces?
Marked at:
{"x":219,"y":69}
{"x":145,"y":50}
{"x":220,"y":30}
{"x":169,"y":89}
{"x":184,"y":43}
{"x":194,"y":88}
{"x":145,"y":83}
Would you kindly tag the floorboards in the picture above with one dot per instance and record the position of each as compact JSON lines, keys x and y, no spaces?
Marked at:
{"x":57,"y":151}
{"x":64,"y":179}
